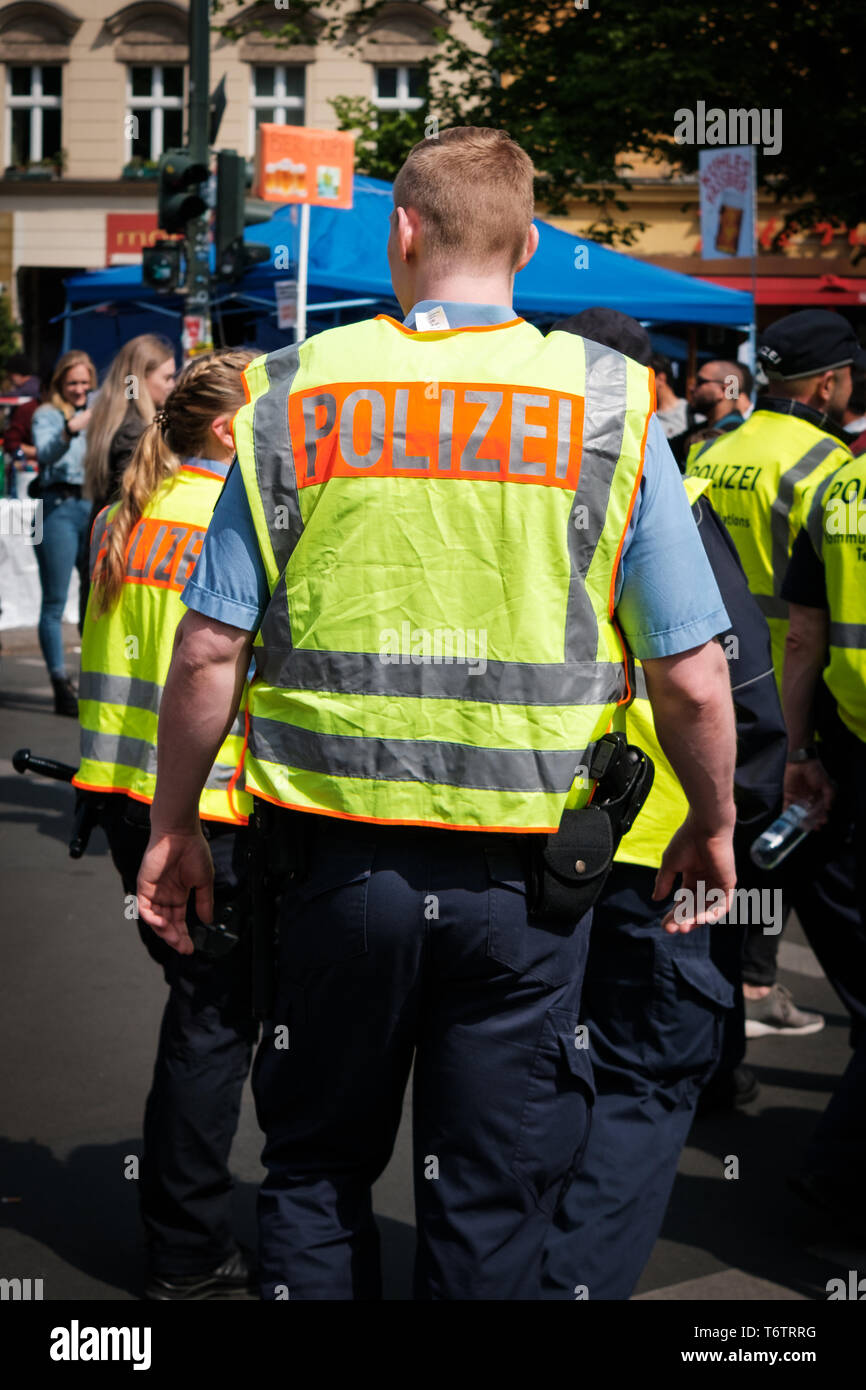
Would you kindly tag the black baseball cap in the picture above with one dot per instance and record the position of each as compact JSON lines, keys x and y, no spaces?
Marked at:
{"x":808,"y":342}
{"x":612,"y":329}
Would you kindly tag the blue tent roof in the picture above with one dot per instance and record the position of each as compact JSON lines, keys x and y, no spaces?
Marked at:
{"x":347,"y":257}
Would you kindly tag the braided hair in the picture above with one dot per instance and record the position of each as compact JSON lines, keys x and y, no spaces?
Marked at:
{"x":209,"y":387}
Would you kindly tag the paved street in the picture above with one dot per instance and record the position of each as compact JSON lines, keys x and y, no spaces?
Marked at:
{"x":81,"y":1008}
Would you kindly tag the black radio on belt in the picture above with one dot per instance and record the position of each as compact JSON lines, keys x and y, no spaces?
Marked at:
{"x":568,"y":870}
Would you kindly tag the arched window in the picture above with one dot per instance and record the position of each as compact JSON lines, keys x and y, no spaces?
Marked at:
{"x":34,"y":45}
{"x":151,"y":40}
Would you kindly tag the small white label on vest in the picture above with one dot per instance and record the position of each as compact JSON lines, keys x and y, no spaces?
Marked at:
{"x":431,"y":321}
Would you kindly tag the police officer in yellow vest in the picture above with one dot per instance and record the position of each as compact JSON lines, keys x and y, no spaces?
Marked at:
{"x":654,"y":1003}
{"x":824,"y":692}
{"x":143,"y":551}
{"x":441,"y":535}
{"x":763,"y":476}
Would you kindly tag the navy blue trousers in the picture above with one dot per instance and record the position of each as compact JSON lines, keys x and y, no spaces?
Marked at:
{"x":202,"y":1061}
{"x":653,"y":1005}
{"x":401,"y":945}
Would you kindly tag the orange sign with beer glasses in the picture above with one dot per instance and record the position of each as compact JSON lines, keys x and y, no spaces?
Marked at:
{"x":295,"y":164}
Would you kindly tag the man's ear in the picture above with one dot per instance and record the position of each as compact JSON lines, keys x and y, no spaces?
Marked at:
{"x":826,"y":384}
{"x":408,"y":224}
{"x":530,"y":248}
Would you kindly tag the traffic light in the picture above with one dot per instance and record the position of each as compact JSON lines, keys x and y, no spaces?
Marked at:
{"x":233,"y":254}
{"x":160,"y":265}
{"x":179,"y":196}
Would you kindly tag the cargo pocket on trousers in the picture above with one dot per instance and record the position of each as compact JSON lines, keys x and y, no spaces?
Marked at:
{"x":554,"y":1126}
{"x":325,"y":915}
{"x":551,"y":952}
{"x":691,"y":1000}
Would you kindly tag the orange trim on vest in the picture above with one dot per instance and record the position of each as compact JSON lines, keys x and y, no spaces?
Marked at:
{"x":426,"y":824}
{"x":447,"y":332}
{"x":148,"y":800}
{"x":203,"y":472}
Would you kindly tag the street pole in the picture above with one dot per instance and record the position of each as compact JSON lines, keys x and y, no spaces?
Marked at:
{"x":197,"y":333}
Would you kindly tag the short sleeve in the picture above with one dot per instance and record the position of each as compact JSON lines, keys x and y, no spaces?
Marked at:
{"x":805,"y":581}
{"x":667,"y":600}
{"x":229,"y":582}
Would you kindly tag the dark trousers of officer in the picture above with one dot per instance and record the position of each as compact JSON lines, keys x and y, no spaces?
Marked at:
{"x":399,"y":943}
{"x":203,"y":1058}
{"x":830,"y":896}
{"x":653,"y":1005}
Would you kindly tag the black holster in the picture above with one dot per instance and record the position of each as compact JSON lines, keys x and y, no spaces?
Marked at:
{"x":277,"y":857}
{"x":568,"y":870}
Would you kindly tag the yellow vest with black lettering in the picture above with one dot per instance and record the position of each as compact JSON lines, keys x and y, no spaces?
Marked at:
{"x":666,"y":807}
{"x":440,"y":516}
{"x":837,"y":527}
{"x":126,"y":652}
{"x":763,"y":476}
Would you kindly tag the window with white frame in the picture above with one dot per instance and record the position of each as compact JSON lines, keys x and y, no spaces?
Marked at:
{"x":276,"y":96}
{"x":154,"y":110}
{"x":33,"y":113}
{"x":398,"y":88}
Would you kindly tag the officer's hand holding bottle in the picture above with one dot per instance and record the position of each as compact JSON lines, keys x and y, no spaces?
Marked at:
{"x":807,"y":782}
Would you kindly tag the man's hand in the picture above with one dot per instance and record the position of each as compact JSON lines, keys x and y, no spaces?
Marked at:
{"x":174,"y":866}
{"x":701,"y":858}
{"x":809,"y":782}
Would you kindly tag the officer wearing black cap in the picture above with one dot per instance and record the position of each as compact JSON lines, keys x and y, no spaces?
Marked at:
{"x":763,"y":478}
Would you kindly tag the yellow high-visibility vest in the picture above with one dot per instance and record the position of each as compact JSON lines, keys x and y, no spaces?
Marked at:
{"x":762,"y":477}
{"x":440,"y":516}
{"x":126,"y":653}
{"x":666,"y":807}
{"x":837,"y":527}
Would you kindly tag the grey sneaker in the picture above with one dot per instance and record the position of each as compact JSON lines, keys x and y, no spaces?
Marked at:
{"x":777,"y":1013}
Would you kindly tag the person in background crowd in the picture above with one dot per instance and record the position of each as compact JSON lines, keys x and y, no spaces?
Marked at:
{"x":652,"y":1055}
{"x":854,"y":414}
{"x":764,"y":476}
{"x":205,"y":1044}
{"x":745,"y":403}
{"x":824,"y":698}
{"x":719,"y":387}
{"x":136,"y":385}
{"x":59,"y":436}
{"x":671,"y":409}
{"x":23,"y":381}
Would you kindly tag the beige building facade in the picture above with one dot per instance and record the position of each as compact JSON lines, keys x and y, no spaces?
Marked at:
{"x":93,"y":94}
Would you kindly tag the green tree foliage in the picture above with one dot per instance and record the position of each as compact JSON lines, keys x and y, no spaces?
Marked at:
{"x":10,"y":331}
{"x":382,"y":138}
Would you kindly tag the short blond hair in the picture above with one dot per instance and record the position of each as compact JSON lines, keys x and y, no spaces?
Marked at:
{"x":472,"y":188}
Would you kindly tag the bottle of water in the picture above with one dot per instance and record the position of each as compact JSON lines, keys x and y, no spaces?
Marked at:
{"x":777,"y":841}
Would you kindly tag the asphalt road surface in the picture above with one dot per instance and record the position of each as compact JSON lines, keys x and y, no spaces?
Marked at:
{"x":81,"y":1005}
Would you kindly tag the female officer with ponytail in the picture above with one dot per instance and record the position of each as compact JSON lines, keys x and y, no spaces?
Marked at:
{"x":143,"y":550}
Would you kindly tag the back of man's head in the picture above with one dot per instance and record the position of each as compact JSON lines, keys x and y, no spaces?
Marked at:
{"x":472,"y":189}
{"x":661,"y":365}
{"x":611,"y":328}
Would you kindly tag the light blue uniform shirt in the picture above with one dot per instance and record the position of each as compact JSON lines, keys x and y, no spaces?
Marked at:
{"x":667,"y":600}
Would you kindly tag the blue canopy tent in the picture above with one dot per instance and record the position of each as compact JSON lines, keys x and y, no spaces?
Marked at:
{"x":348,"y":279}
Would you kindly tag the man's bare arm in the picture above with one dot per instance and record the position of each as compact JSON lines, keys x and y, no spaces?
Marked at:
{"x":805,"y":657}
{"x":199,"y":704}
{"x":690,"y":694}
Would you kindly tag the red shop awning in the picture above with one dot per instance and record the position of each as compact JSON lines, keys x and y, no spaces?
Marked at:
{"x":826,"y":291}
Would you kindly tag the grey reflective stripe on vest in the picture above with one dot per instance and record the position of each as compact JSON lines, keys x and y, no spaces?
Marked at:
{"x":134,"y":693}
{"x":603,"y":427}
{"x":122,"y":750}
{"x":272,"y":446}
{"x":851,"y":635}
{"x":815,"y":519}
{"x":781,"y":508}
{"x":502,"y":682}
{"x":131,"y":691}
{"x":411,"y":760}
{"x":640,"y":690}
{"x":771,"y":607}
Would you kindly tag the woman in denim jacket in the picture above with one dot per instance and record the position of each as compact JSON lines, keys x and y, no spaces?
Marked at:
{"x":59,"y":437}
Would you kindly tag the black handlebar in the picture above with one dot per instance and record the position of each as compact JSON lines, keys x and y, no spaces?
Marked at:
{"x":25,"y":761}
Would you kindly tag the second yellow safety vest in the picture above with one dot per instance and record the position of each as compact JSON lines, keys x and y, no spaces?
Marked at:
{"x":837,"y":528}
{"x":440,"y":516}
{"x":126,"y":652}
{"x":762,"y":478}
{"x":666,"y":807}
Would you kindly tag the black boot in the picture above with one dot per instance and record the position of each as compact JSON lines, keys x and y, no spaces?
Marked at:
{"x":65,"y":699}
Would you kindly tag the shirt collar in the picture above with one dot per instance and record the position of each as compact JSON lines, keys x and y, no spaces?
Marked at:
{"x":783,"y":405}
{"x":461,"y":315}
